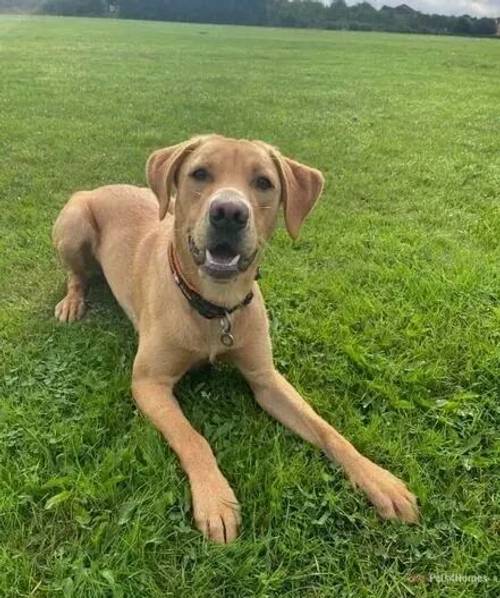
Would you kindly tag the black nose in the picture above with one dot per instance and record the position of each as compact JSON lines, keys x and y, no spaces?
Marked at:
{"x":228,"y":214}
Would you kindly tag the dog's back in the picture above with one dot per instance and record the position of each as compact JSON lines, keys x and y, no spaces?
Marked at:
{"x":106,"y":224}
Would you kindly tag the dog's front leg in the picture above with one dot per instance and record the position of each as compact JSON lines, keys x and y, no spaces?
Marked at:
{"x":278,"y":397}
{"x":215,"y":508}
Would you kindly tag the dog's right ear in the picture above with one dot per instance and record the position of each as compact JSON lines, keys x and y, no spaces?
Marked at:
{"x":162,"y":167}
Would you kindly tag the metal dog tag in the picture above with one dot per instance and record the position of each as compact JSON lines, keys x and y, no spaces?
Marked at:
{"x":226,"y":338}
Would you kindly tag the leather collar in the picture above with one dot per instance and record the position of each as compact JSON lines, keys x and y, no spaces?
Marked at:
{"x":205,"y":308}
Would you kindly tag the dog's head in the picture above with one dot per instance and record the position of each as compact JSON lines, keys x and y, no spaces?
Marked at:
{"x":227,"y":196}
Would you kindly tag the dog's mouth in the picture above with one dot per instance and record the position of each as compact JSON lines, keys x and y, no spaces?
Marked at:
{"x":220,"y":260}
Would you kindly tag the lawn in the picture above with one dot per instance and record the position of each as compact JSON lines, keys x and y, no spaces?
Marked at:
{"x":385,"y":314}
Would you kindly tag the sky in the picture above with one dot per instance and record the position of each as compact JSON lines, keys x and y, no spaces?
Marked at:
{"x":475,"y":8}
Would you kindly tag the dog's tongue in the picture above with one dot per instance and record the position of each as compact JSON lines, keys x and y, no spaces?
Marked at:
{"x":226,"y":261}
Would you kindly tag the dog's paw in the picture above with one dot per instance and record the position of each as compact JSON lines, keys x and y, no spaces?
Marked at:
{"x":216,"y":510}
{"x":71,"y":308}
{"x":388,"y":494}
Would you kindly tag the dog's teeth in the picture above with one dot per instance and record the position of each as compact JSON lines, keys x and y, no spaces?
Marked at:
{"x":210,"y":259}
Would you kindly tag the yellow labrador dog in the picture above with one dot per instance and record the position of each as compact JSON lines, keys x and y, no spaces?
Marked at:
{"x":184,"y":269}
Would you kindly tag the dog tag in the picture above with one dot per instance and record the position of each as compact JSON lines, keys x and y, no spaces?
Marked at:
{"x":226,"y":338}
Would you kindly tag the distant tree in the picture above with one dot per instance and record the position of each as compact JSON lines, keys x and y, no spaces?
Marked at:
{"x":363,"y":12}
{"x":19,"y":6}
{"x":76,"y":8}
{"x":463,"y":25}
{"x":339,"y":9}
{"x":484,"y":26}
{"x":282,"y":13}
{"x":142,"y":9}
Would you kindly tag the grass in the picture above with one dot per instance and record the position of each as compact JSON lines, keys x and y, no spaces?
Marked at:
{"x":385,"y":314}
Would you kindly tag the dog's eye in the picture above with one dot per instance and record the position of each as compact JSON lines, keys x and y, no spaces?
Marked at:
{"x":200,"y":174}
{"x":263,"y":183}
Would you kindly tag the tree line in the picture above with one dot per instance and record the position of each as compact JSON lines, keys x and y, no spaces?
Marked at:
{"x":273,"y":13}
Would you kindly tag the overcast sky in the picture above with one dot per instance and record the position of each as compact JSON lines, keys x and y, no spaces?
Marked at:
{"x":476,"y":8}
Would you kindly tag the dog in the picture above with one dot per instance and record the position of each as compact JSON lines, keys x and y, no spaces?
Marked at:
{"x":181,"y":258}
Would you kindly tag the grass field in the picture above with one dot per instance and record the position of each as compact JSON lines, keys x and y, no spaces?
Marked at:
{"x":385,"y":314}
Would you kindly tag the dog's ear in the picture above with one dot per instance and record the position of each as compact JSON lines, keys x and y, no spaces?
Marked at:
{"x":162,"y":167}
{"x":301,"y":186}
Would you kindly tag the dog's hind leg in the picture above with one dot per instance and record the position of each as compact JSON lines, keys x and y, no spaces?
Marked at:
{"x":75,"y":238}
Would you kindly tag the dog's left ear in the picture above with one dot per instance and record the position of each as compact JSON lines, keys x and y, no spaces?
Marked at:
{"x":301,"y":186}
{"x":162,"y":167}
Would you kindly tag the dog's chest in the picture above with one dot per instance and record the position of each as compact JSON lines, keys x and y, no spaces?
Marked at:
{"x":212,"y":341}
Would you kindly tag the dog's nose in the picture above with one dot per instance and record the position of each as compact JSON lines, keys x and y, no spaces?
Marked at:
{"x":230,"y":214}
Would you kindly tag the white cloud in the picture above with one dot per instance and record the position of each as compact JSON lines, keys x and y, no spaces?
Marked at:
{"x":475,"y":8}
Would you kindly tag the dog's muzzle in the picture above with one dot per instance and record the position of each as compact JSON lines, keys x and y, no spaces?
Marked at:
{"x":225,"y":254}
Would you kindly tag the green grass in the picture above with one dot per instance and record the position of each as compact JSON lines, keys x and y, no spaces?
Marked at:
{"x":385,"y":314}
